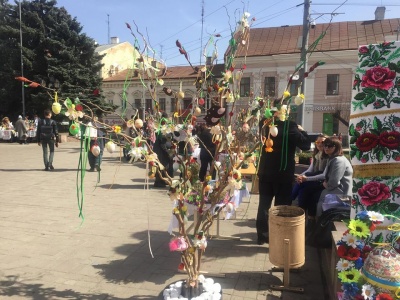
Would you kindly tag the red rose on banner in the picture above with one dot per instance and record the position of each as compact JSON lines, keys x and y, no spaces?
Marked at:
{"x":363,"y":50}
{"x":390,"y":139}
{"x":379,"y":78}
{"x":367,"y":141}
{"x":374,"y":192}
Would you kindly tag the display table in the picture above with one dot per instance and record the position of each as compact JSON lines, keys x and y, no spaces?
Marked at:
{"x":251,"y":170}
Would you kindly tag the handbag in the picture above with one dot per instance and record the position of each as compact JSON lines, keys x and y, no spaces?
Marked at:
{"x":321,"y":237}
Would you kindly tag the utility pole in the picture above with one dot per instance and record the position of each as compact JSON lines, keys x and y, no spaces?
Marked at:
{"x":108,"y":29}
{"x":22,"y":60}
{"x":303,"y":58}
{"x":201,"y":36}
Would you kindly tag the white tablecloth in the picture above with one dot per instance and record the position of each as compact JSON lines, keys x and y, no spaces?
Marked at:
{"x":6,"y":134}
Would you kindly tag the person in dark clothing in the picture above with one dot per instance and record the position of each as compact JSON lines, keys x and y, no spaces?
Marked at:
{"x":276,"y":170}
{"x":207,"y":150}
{"x":47,"y":134}
{"x":161,"y":147}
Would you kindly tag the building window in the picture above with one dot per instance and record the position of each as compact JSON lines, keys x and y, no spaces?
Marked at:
{"x":269,"y":86}
{"x":172,"y":103}
{"x":245,"y":87}
{"x":138,"y":103}
{"x":149,"y":105}
{"x":161,"y":104}
{"x":332,"y":84}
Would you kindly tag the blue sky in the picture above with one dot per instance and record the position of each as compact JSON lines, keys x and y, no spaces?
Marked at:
{"x":165,"y":21}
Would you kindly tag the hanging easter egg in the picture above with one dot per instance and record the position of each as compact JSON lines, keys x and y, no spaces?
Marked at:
{"x":138,"y":123}
{"x":56,"y":108}
{"x":245,"y":127}
{"x":95,"y":150}
{"x":273,"y":130}
{"x":197,"y":111}
{"x":151,"y":175}
{"x":201,"y":101}
{"x":110,"y":146}
{"x":74,"y":129}
{"x":194,"y":118}
{"x":299,"y":99}
{"x":181,"y":95}
{"x":269,"y":143}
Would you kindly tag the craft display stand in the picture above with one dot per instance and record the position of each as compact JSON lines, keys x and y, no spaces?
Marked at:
{"x":286,"y":271}
{"x":251,"y":171}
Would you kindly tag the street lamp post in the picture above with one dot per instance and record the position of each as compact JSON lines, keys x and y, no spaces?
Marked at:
{"x":22,"y":61}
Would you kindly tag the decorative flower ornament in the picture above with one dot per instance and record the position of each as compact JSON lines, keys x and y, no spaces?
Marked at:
{"x":282,"y":113}
{"x":72,"y":113}
{"x":229,"y":136}
{"x":116,"y":128}
{"x":286,"y":94}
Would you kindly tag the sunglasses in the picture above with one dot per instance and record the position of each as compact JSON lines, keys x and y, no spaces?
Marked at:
{"x":329,"y":146}
{"x":318,"y":143}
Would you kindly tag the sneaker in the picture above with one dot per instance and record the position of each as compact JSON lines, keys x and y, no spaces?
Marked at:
{"x":91,"y":170}
{"x":46,"y":169}
{"x":51,"y":167}
{"x":97,"y":168}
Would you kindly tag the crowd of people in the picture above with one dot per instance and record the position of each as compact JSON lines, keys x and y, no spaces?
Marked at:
{"x":329,"y":173}
{"x":19,"y":130}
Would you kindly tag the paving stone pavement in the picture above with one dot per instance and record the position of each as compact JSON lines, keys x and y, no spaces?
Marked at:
{"x":47,"y":253}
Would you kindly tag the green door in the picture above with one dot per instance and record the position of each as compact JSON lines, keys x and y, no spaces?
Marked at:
{"x":327,"y":125}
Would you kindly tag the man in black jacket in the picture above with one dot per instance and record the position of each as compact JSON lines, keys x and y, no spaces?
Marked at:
{"x":47,"y":134}
{"x":276,"y":170}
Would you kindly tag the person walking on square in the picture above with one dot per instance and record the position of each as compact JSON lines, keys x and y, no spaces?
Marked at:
{"x":276,"y":168}
{"x":22,"y":130}
{"x":47,"y":134}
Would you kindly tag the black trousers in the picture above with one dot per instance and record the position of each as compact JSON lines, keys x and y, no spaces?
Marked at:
{"x":281,"y":191}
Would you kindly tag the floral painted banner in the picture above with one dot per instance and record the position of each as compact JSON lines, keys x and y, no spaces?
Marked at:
{"x":377,"y":82}
{"x":380,"y":194}
{"x":375,"y":139}
{"x":374,"y":130}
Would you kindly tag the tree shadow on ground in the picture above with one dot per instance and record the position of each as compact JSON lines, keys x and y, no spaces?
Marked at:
{"x":11,"y":286}
{"x":36,"y":170}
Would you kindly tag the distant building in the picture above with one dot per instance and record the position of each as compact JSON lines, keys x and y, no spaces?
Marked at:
{"x":273,"y":53}
{"x":138,"y":95}
{"x":116,"y":57}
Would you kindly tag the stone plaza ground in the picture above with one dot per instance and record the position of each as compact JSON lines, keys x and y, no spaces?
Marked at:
{"x":47,"y":252}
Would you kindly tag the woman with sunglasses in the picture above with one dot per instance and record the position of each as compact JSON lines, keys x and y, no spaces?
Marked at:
{"x":338,"y":178}
{"x":313,"y":176}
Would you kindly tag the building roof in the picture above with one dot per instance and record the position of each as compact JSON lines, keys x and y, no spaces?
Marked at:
{"x":181,"y":72}
{"x":108,"y":46}
{"x":339,"y":36}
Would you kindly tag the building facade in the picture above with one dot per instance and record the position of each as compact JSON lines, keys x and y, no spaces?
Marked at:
{"x":273,"y":54}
